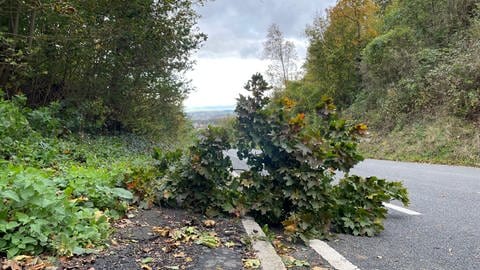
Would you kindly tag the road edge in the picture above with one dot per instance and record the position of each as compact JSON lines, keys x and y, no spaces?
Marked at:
{"x":265,"y":252}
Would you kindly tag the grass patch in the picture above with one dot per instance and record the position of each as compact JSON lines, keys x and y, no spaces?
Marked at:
{"x":445,"y":140}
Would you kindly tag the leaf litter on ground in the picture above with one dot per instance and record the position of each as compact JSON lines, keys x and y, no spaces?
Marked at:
{"x":164,"y":238}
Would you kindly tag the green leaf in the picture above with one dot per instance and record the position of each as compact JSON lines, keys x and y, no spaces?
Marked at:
{"x":23,"y":218}
{"x":122,"y":193}
{"x":147,"y":260}
{"x":12,"y":224}
{"x":10,"y":194}
{"x":12,"y":252}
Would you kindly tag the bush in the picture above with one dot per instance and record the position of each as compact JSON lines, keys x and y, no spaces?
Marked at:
{"x":35,"y":216}
{"x":389,"y":57}
{"x":290,"y":180}
{"x":45,"y":120}
{"x":21,"y":132}
{"x":99,"y":188}
{"x":142,"y":179}
{"x":14,"y":126}
{"x":57,"y":193}
{"x":200,"y":179}
{"x":359,"y":209}
{"x":87,"y":116}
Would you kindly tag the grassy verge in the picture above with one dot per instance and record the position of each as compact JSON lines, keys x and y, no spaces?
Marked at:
{"x":445,"y":140}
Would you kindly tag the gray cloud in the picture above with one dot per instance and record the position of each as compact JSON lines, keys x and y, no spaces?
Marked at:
{"x":236,"y":28}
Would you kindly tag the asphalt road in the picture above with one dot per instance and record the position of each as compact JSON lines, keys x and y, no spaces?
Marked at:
{"x":445,"y":236}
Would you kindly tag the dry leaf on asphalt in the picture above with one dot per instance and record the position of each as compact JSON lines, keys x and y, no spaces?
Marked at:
{"x":146,"y":267}
{"x":179,"y":255}
{"x":209,"y":223}
{"x":319,"y":268}
{"x":162,"y":231}
{"x":251,"y":263}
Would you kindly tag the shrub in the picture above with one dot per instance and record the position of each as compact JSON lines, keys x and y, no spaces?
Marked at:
{"x":57,"y":193}
{"x":143,"y":181}
{"x":99,"y":188}
{"x":21,"y":131}
{"x":389,"y":57}
{"x":200,"y":179}
{"x":14,"y":126}
{"x":87,"y":116}
{"x":359,"y":209}
{"x":35,"y":216}
{"x":45,"y":120}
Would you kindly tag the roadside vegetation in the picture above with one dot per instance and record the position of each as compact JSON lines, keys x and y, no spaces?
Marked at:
{"x":112,"y":65}
{"x":60,"y":191}
{"x":408,"y":69}
{"x":446,"y":140}
{"x":87,"y":89}
{"x":92,"y":125}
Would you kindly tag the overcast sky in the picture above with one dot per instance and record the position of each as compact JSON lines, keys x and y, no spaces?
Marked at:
{"x":236,"y":30}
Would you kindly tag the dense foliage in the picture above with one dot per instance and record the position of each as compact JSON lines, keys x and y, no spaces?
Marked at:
{"x":395,"y":65}
{"x":200,"y":178}
{"x":359,"y":203}
{"x":336,"y":44}
{"x":293,"y":157}
{"x":111,"y":64}
{"x":423,"y":62}
{"x":58,"y":194}
{"x":395,"y":59}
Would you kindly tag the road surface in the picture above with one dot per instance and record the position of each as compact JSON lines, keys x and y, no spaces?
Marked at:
{"x":445,"y":236}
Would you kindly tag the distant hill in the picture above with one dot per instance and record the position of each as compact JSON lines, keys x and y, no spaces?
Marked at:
{"x":210,"y":108}
{"x":202,"y":117}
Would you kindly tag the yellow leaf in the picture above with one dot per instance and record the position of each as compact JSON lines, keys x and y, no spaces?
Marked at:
{"x":179,"y":255}
{"x":146,"y":267}
{"x":162,"y":231}
{"x":292,"y":228}
{"x":209,"y":223}
{"x":167,"y":194}
{"x":251,"y":263}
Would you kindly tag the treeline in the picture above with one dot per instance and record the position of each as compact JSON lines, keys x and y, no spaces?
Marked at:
{"x":110,"y":65}
{"x":387,"y":62}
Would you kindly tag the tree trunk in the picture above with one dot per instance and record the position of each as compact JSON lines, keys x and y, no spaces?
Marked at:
{"x":282,"y":61}
{"x":16,"y":23}
{"x":32,"y":28}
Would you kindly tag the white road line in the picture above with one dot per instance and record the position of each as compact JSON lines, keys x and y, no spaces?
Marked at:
{"x":334,"y":258}
{"x":401,"y":209}
{"x":264,"y":250}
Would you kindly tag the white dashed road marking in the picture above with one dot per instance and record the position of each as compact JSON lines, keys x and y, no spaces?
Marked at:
{"x":334,"y":258}
{"x":401,"y":209}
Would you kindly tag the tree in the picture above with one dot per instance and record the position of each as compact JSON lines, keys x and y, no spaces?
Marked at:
{"x":127,"y":57}
{"x":336,"y":43}
{"x":282,"y":55}
{"x":434,"y":21}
